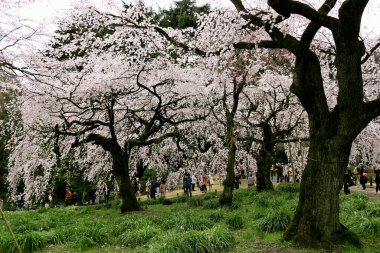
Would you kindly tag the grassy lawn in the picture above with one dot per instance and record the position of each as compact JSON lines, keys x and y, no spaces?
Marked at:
{"x":254,"y":223}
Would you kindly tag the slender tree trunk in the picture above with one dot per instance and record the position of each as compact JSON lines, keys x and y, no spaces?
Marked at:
{"x":264,"y":162}
{"x":229,"y":182}
{"x":316,"y":221}
{"x":121,"y":169}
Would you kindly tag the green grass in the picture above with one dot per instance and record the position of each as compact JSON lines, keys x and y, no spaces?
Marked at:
{"x":254,"y":223}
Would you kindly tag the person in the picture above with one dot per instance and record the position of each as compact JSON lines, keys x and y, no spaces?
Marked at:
{"x":74,"y":198}
{"x":147,"y":188}
{"x":106,"y":194}
{"x":157,"y":189}
{"x":188,"y":186}
{"x":162,"y":189}
{"x":250,"y":179}
{"x":356,"y":174}
{"x":363,"y":176}
{"x":279,"y":171}
{"x":97,"y":198}
{"x":47,"y":199}
{"x":68,"y":196}
{"x":285,"y":173}
{"x":210,"y":181}
{"x":377,"y":180}
{"x":152,"y":188}
{"x":204,"y":183}
{"x":348,"y":181}
{"x":237,"y":179}
{"x":193,"y":182}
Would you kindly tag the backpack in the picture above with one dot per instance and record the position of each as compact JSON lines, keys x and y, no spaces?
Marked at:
{"x":365,"y":175}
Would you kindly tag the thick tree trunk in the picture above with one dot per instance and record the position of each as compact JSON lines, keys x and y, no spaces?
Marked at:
{"x":121,"y":170}
{"x":264,"y":163}
{"x":316,"y":221}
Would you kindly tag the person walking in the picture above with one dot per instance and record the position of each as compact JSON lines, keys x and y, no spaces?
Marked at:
{"x":68,"y":197}
{"x":147,"y":188}
{"x":152,"y":188}
{"x":193,"y":182}
{"x":251,"y":181}
{"x":188,"y":186}
{"x":377,"y":180}
{"x":204,"y":183}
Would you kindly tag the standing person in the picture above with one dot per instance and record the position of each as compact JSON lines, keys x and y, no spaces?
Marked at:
{"x":279,"y":171}
{"x":106,"y":193}
{"x":285,"y":173}
{"x":74,"y":198}
{"x":363,"y":176}
{"x":237,"y":179}
{"x":68,"y":197}
{"x":188,"y":186}
{"x":210,"y":182}
{"x":193,"y":182}
{"x":47,"y":199}
{"x":97,"y":197}
{"x":377,"y":180}
{"x":356,"y":174}
{"x":250,"y":179}
{"x":204,"y":183}
{"x":347,"y":182}
{"x":162,"y":189}
{"x":157,"y":185}
{"x":152,"y":188}
{"x":147,"y":188}
{"x":184,"y":184}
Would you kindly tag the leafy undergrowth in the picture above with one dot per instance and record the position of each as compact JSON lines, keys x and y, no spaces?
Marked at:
{"x":254,"y":223}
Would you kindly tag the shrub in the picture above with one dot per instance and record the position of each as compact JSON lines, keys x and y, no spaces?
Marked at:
{"x":211,"y":204}
{"x":216,"y":216}
{"x":288,"y":187}
{"x":195,"y":202}
{"x":235,"y":221}
{"x":211,"y":241}
{"x":167,"y":202}
{"x":275,"y":221}
{"x":180,"y":199}
{"x":138,"y":237}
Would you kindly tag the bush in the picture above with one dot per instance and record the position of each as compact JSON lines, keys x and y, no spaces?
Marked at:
{"x":211,"y":241}
{"x":180,"y":199}
{"x":216,"y":216}
{"x":138,"y":237}
{"x":211,"y":204}
{"x":275,"y":221}
{"x":167,"y":202}
{"x":235,"y":221}
{"x":288,"y":187}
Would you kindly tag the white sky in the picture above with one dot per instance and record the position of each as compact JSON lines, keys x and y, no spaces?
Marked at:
{"x":42,"y":11}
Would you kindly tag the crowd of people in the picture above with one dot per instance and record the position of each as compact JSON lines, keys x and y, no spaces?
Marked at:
{"x":360,"y":175}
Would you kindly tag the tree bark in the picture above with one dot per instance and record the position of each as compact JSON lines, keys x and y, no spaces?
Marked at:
{"x":316,"y":221}
{"x":121,"y":169}
{"x":264,"y":161}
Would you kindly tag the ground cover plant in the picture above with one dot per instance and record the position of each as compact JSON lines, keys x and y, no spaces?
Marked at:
{"x":255,"y":224}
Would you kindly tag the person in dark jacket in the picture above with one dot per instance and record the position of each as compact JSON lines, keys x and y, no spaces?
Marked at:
{"x":188,"y":186}
{"x":347,"y":181}
{"x":363,"y":176}
{"x":152,"y":188}
{"x":377,"y":180}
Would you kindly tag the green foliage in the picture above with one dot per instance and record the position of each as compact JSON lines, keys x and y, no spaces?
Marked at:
{"x":138,"y":237}
{"x":211,"y":204}
{"x":84,"y":243}
{"x":182,"y":15}
{"x":195,"y":202}
{"x":167,"y":202}
{"x":216,"y":216}
{"x":274,"y":221}
{"x":29,"y":242}
{"x":288,"y":187}
{"x":180,"y":199}
{"x":209,"y":195}
{"x":235,"y":221}
{"x":149,"y":202}
{"x":211,"y":241}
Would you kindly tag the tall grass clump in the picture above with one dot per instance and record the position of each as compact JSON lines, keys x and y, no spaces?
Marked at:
{"x":288,"y":187}
{"x":209,"y":195}
{"x":235,"y":221}
{"x":138,"y":237}
{"x":180,"y":199}
{"x":216,"y":216}
{"x":215,"y":240}
{"x":29,"y":242}
{"x":211,"y":204}
{"x":275,"y":221}
{"x":195,"y":202}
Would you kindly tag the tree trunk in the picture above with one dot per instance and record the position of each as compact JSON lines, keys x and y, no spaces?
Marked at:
{"x":264,"y":162}
{"x":121,"y":170}
{"x":229,"y":182}
{"x":316,"y":221}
